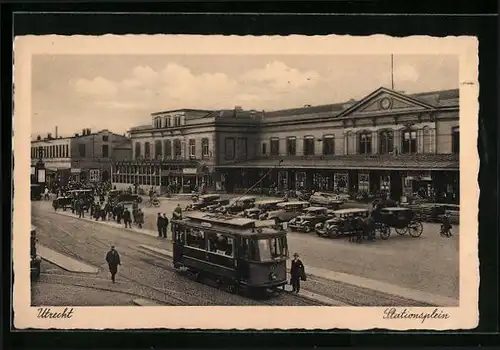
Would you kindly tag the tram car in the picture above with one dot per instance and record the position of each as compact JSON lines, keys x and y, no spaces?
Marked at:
{"x":236,"y":253}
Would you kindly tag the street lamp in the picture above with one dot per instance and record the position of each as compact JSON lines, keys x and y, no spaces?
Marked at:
{"x":40,"y":167}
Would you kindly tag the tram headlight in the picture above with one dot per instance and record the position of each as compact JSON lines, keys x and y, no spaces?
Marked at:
{"x":273,"y":276}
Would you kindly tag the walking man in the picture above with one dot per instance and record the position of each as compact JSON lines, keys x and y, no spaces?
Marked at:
{"x":113,"y":260}
{"x":159,"y":224}
{"x":165,"y":226}
{"x":297,"y":273}
{"x":139,"y":218}
{"x":127,"y":219}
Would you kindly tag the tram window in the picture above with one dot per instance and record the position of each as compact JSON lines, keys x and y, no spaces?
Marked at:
{"x":220,"y":244}
{"x":272,"y":248}
{"x":195,"y":238}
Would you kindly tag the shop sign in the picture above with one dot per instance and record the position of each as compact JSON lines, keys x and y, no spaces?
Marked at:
{"x":41,"y":175}
{"x":76,"y":170}
{"x":189,"y":171}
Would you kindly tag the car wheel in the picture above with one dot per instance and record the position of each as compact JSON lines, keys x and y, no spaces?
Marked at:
{"x":307,"y":228}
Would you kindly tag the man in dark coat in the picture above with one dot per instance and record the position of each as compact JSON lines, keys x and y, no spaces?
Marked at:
{"x":165,"y":226}
{"x":297,"y":272}
{"x":127,"y":218}
{"x":113,"y":260}
{"x":159,"y":224}
{"x":139,"y":218}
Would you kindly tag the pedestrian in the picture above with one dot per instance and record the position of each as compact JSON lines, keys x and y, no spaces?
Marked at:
{"x":46,"y":193}
{"x":159,"y":225}
{"x":113,"y":260}
{"x":127,"y":219}
{"x":165,"y":226}
{"x":177,"y":214}
{"x":297,"y":273}
{"x":139,"y":218}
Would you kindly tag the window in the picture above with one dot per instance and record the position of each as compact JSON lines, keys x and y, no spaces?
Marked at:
{"x":66,"y":152}
{"x":195,"y":238}
{"x":291,"y":146}
{"x":220,"y":244}
{"x":105,"y":138}
{"x":192,"y":148}
{"x":204,"y":147}
{"x":365,"y":142}
{"x":168,"y":121}
{"x":264,"y":149}
{"x":177,"y":148}
{"x":167,"y":145}
{"x":105,"y":151}
{"x":386,"y":142}
{"x":81,"y":150}
{"x":177,"y":120}
{"x":242,"y":147}
{"x":328,"y":145}
{"x":309,"y":145}
{"x":275,"y":146}
{"x":229,"y":148}
{"x":363,"y":183}
{"x":137,"y":149}
{"x":409,"y":142}
{"x":271,"y":249}
{"x":147,"y":150}
{"x":157,"y":149}
{"x":455,"y":140}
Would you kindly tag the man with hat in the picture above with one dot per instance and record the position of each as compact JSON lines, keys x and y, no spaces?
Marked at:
{"x":113,"y":260}
{"x":297,"y":273}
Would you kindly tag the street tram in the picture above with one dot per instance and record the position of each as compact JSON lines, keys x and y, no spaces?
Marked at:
{"x":236,"y":253}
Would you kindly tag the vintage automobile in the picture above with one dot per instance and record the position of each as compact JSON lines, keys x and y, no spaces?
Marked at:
{"x":268,"y":204}
{"x":286,"y":211}
{"x":235,"y":253}
{"x":203,"y":201}
{"x":403,"y":220}
{"x":252,"y":213}
{"x":128,"y":197}
{"x":215,"y":204}
{"x":63,"y":203}
{"x":343,"y":222}
{"x":35,"y":260}
{"x":308,"y":220}
{"x":127,"y":205}
{"x":326,"y":200}
{"x":237,"y":205}
{"x":36,"y":192}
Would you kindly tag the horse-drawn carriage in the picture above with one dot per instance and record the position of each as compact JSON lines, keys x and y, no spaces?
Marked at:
{"x":402,"y":220}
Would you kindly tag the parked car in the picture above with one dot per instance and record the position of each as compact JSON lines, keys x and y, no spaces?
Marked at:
{"x":343,"y":222}
{"x":62,"y":203}
{"x":326,"y":200}
{"x":286,"y":211}
{"x":252,"y":213}
{"x":128,"y":197}
{"x":203,"y":201}
{"x":212,"y":208}
{"x":237,"y":205}
{"x":308,"y":220}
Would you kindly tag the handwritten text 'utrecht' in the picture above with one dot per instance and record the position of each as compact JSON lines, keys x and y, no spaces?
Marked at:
{"x":45,"y":312}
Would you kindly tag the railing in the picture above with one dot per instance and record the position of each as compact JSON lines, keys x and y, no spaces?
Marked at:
{"x":413,"y":156}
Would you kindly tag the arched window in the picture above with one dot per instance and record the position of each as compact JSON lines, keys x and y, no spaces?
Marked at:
{"x":177,"y":148}
{"x":386,"y":141}
{"x":275,"y":146}
{"x":137,"y":150}
{"x":158,"y":150}
{"x":147,"y":150}
{"x":309,"y":145}
{"x":455,"y":140}
{"x":409,"y":141}
{"x":167,"y":148}
{"x":365,"y":142}
{"x":328,"y":145}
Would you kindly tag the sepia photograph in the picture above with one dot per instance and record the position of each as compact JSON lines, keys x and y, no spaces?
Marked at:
{"x":299,"y":184}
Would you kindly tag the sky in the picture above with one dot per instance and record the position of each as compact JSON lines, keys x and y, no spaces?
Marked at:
{"x":117,"y":92}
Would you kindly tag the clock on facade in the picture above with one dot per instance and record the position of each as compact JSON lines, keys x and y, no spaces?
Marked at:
{"x":385,"y":103}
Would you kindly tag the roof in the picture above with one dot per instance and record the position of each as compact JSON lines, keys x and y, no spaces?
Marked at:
{"x":415,"y":161}
{"x":181,"y":110}
{"x":351,"y":210}
{"x":220,"y":219}
{"x":315,"y":208}
{"x":124,"y":145}
{"x":284,"y":204}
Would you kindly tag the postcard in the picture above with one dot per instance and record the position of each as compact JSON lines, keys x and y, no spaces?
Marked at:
{"x":245,"y":182}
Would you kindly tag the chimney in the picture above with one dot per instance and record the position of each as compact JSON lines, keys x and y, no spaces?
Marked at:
{"x":49,"y":136}
{"x":88,"y":131}
{"x":83,"y":132}
{"x":76,"y":134}
{"x":56,"y":132}
{"x":38,"y":137}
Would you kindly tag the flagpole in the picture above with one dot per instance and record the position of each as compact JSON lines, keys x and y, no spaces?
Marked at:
{"x":392,"y":71}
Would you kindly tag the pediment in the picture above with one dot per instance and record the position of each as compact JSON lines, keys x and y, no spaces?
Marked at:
{"x":385,"y":101}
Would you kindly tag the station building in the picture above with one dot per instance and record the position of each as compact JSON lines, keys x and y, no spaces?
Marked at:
{"x":81,"y":157}
{"x":388,"y":141}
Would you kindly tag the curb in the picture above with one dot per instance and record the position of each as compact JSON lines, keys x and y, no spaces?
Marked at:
{"x":145,"y":302}
{"x":357,"y":281}
{"x":55,"y":258}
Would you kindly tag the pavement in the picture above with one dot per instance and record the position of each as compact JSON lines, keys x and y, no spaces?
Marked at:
{"x":64,"y":261}
{"x":380,"y":253}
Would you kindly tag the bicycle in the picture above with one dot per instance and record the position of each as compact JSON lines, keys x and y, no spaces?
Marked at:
{"x":152,"y":202}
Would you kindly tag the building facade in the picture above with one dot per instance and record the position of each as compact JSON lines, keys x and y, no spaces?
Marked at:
{"x":85,"y":156}
{"x":386,"y":142}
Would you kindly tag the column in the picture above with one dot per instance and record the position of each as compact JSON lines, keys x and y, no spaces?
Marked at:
{"x":346,"y":144}
{"x":375,"y":142}
{"x":420,"y":141}
{"x":397,"y":140}
{"x":432,"y":142}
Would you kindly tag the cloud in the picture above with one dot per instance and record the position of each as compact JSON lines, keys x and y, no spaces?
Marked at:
{"x":96,"y":86}
{"x":406,"y":72}
{"x":279,"y":76}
